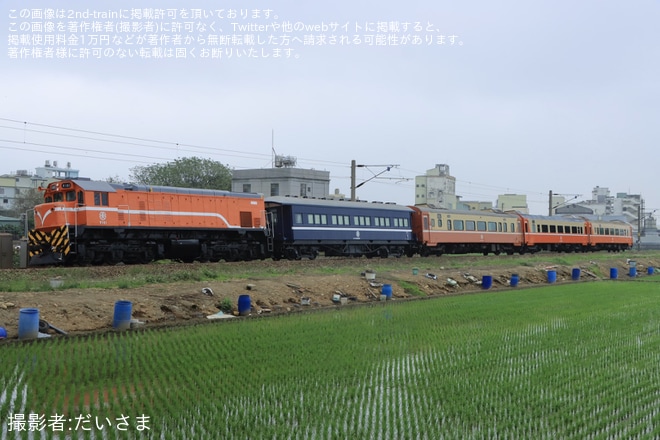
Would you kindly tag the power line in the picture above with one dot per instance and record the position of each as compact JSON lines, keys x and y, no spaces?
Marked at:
{"x":124,"y":140}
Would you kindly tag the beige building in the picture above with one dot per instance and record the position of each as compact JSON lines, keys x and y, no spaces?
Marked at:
{"x":512,"y":202}
{"x":436,"y":188}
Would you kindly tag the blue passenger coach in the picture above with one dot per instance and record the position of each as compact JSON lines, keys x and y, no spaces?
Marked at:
{"x":305,"y":227}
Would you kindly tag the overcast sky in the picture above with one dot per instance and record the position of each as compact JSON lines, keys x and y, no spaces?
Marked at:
{"x":530,"y":97}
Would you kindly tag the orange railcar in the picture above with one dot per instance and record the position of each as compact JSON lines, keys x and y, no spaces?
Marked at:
{"x":98,"y":222}
{"x":556,"y":233}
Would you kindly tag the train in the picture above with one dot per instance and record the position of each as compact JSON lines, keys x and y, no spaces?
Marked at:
{"x":94,"y":222}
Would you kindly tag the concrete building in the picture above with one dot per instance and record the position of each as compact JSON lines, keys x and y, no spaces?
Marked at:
{"x":53,"y":171}
{"x":284,"y":180}
{"x":436,"y":188}
{"x":512,"y":202}
{"x":15,"y":184}
{"x":602,"y":203}
{"x":474,"y":205}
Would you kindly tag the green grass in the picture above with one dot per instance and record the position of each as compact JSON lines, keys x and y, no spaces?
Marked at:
{"x":578,"y":360}
{"x":411,"y":289}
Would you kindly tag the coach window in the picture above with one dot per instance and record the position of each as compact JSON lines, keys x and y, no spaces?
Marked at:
{"x":504,"y":227}
{"x":433,"y":223}
{"x":481,"y":226}
{"x":492,"y":227}
{"x":560,"y":229}
{"x":544,"y":228}
{"x":553,"y":229}
{"x":458,"y":225}
{"x":449,"y":225}
{"x":297,"y":219}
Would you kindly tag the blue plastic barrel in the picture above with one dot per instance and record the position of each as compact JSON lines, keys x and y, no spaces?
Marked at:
{"x":614,"y":273}
{"x":575,"y":274}
{"x":3,"y":333}
{"x":487,"y":282}
{"x":244,"y":305}
{"x":387,"y":291}
{"x":552,"y":276}
{"x":122,"y":317}
{"x":632,"y":271}
{"x":650,"y":270}
{"x":28,"y":324}
{"x":514,"y":280}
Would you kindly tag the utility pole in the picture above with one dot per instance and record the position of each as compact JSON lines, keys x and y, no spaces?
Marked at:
{"x":354,"y":186}
{"x":353,"y":180}
{"x":550,"y":194}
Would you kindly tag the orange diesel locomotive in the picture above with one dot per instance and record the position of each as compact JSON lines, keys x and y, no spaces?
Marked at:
{"x":99,"y":223}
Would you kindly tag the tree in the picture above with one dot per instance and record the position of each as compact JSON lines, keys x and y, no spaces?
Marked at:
{"x":187,"y":172}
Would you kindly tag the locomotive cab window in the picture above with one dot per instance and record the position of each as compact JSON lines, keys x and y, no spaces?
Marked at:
{"x":101,"y":199}
{"x":70,"y":196}
{"x":57,"y":197}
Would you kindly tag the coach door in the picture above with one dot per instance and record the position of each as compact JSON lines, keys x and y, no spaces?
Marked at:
{"x":426,"y":229}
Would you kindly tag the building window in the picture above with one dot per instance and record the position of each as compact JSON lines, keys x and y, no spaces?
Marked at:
{"x":303,"y":190}
{"x":274,"y":189}
{"x":247,"y":188}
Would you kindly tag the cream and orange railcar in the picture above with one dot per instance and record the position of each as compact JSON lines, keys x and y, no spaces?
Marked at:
{"x":442,"y":231}
{"x":612,"y":235}
{"x":98,"y":222}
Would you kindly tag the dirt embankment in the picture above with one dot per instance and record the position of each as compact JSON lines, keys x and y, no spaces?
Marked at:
{"x":288,"y":287}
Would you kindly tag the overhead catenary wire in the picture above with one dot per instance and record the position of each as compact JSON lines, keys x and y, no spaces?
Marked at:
{"x":165,"y":146}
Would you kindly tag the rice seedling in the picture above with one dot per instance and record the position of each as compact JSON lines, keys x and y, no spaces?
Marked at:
{"x":570,"y":361}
